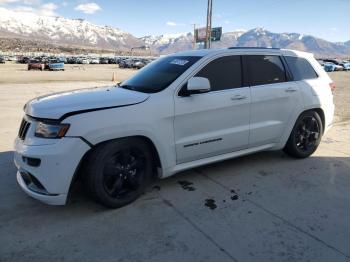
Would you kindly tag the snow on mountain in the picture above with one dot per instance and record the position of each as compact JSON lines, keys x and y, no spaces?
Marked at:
{"x":257,"y":37}
{"x":164,"y":39}
{"x":62,"y":30}
{"x":78,"y":32}
{"x":169,"y":43}
{"x":262,"y":38}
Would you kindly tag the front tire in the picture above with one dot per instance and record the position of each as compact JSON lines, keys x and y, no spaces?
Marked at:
{"x":306,"y":135}
{"x":117,"y":172}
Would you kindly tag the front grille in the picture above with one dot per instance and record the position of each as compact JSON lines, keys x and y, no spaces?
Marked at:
{"x":23,"y":129}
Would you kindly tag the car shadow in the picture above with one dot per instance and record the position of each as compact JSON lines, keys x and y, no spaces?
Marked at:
{"x":255,"y":167}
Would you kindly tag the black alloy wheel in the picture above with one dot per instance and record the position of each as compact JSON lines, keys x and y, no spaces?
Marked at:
{"x":306,"y":135}
{"x":117,"y":172}
{"x":124,"y":172}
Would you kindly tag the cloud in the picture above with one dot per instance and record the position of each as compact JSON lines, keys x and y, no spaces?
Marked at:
{"x":25,"y":2}
{"x":48,"y":9}
{"x":334,"y":29}
{"x":88,"y":8}
{"x":4,"y":2}
{"x":31,"y":2}
{"x":170,"y":23}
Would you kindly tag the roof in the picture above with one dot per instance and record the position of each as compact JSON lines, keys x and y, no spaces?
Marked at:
{"x":244,"y":50}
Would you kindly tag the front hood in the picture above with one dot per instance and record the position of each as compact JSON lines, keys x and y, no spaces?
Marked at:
{"x":62,"y":105}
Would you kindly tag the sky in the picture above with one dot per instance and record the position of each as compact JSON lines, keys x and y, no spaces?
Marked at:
{"x":327,"y":19}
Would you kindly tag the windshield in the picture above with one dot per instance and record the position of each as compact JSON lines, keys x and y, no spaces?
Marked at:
{"x":159,"y":74}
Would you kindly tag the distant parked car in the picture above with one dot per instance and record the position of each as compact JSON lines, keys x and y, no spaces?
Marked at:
{"x":54,"y":65}
{"x":35,"y":64}
{"x":339,"y":68}
{"x":329,"y":67}
{"x":23,"y":60}
{"x":334,"y":61}
{"x":71,"y":60}
{"x":112,"y":60}
{"x":103,"y":60}
{"x":127,"y":63}
{"x":62,"y":59}
{"x":12,"y":58}
{"x":138,"y":64}
{"x":2,"y":60}
{"x":345,"y":65}
{"x":94,"y":61}
{"x":84,"y":61}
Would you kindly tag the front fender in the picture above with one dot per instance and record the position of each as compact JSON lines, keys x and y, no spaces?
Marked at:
{"x":137,"y":120}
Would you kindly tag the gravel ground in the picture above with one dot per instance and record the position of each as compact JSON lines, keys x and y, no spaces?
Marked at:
{"x":342,"y":95}
{"x":18,"y":74}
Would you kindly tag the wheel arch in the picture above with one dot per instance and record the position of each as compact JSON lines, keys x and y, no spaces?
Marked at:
{"x":320,"y":112}
{"x":289,"y":130}
{"x":80,"y":168}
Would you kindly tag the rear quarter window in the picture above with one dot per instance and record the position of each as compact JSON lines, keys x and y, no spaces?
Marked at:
{"x":300,"y":68}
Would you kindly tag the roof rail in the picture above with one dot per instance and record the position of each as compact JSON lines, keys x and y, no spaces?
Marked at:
{"x":245,"y":47}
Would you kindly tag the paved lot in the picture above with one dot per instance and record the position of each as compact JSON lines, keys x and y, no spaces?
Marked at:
{"x":264,"y":207}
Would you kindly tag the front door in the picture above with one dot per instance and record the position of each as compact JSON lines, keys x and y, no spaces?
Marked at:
{"x":216,"y":122}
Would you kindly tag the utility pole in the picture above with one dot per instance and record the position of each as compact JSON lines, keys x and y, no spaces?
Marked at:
{"x":207,"y":43}
{"x":194,"y":36}
{"x":210,"y":21}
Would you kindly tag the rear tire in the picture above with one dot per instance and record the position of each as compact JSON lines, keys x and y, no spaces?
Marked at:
{"x":117,"y":172}
{"x":306,"y":135}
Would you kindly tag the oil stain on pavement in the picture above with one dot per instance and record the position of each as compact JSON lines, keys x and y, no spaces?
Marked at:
{"x":187,"y":185}
{"x":210,"y":203}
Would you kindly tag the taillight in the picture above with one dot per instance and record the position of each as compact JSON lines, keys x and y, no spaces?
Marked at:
{"x":332,"y":86}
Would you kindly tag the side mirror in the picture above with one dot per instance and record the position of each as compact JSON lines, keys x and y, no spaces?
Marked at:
{"x":197,"y":85}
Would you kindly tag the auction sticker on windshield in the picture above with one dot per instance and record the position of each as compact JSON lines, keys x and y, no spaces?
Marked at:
{"x":179,"y":62}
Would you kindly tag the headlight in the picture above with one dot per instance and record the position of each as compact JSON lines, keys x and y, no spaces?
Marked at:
{"x":47,"y":130}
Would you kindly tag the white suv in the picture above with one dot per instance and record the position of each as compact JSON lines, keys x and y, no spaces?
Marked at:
{"x":179,"y":112}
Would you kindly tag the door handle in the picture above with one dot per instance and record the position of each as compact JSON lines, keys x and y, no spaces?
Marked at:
{"x":238,"y":97}
{"x":291,"y":89}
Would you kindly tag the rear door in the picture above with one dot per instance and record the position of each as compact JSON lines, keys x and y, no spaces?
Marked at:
{"x":275,"y":99}
{"x":216,"y":122}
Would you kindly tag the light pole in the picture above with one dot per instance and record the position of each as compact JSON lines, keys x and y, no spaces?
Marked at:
{"x":194,"y":36}
{"x":207,"y":43}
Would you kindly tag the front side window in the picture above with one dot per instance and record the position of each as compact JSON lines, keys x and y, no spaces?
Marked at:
{"x":223,"y":73}
{"x":265,"y":69}
{"x":159,"y":74}
{"x":300,"y":68}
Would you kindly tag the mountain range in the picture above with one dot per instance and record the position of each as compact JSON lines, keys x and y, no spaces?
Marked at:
{"x":78,"y":32}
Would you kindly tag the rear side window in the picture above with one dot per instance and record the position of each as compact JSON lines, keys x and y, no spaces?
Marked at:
{"x":223,"y":73}
{"x":264,"y":69}
{"x":300,"y":68}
